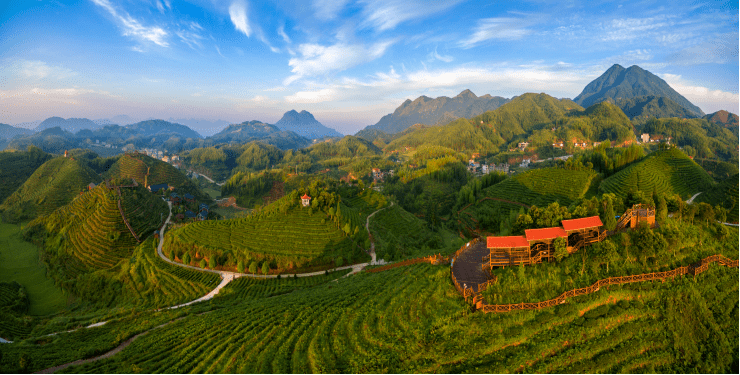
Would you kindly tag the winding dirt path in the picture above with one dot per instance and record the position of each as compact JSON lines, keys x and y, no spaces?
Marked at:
{"x":372,"y":243}
{"x":692,"y":198}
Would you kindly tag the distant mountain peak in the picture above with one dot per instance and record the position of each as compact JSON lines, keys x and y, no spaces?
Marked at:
{"x":304,"y":124}
{"x":466,"y":94}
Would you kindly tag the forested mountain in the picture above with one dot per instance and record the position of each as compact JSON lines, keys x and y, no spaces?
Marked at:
{"x":304,"y":124}
{"x":154,"y":127}
{"x":438,"y":111}
{"x":259,"y":131}
{"x":724,"y":118}
{"x":698,"y":137}
{"x":620,"y":83}
{"x":71,"y":125}
{"x":9,"y":131}
{"x":641,"y":108}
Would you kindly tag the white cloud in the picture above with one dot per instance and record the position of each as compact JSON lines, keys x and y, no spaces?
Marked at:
{"x":709,"y":100}
{"x":317,"y":59}
{"x":387,"y":14}
{"x":61,"y":92}
{"x":502,"y":28}
{"x":190,"y":38}
{"x":625,"y":29}
{"x":40,"y":70}
{"x":717,"y":50}
{"x":132,"y":27}
{"x":305,"y":97}
{"x":238,"y":14}
{"x":328,"y":9}
{"x":160,"y":6}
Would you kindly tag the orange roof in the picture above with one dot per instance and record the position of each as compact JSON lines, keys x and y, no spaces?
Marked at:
{"x":583,"y":223}
{"x":506,"y":242}
{"x":305,"y":196}
{"x":544,"y":233}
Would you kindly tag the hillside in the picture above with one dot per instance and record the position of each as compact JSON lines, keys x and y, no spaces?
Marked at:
{"x":284,"y":234}
{"x":641,"y":108}
{"x":258,"y":131}
{"x":620,"y":83}
{"x":724,"y":118}
{"x":8,"y":131}
{"x":540,"y":187}
{"x":704,"y":139}
{"x":724,"y":194}
{"x":305,"y":125}
{"x":438,"y":111}
{"x":149,"y":171}
{"x":71,"y":125}
{"x":664,"y":172}
{"x":17,"y":166}
{"x":90,"y":234}
{"x":154,"y":127}
{"x":54,"y":184}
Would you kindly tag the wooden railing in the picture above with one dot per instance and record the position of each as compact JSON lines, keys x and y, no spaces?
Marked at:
{"x":693,"y":269}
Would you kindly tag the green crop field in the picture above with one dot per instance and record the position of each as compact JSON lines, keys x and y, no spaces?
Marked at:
{"x":541,"y":187}
{"x":253,"y":288}
{"x":293,"y":239}
{"x":411,"y":319}
{"x":16,"y":167}
{"x":137,"y":166}
{"x":52,"y":185}
{"x":664,"y":172}
{"x":19,"y":261}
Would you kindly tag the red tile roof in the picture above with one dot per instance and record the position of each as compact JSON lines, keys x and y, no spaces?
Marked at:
{"x":584,"y":223}
{"x":506,"y":242}
{"x":544,"y":234}
{"x":305,"y":196}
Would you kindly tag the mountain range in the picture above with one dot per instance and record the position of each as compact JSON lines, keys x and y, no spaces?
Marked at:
{"x":259,"y":131}
{"x":620,"y":83}
{"x":724,"y":118}
{"x":438,"y":111}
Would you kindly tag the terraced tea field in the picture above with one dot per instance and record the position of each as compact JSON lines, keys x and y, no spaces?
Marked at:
{"x":541,"y":187}
{"x":411,"y":319}
{"x":295,"y":237}
{"x":664,"y":172}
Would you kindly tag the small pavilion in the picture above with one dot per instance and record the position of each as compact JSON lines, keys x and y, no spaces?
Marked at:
{"x":305,"y":200}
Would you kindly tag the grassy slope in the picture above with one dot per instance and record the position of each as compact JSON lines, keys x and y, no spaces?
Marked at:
{"x":136,"y":166}
{"x":19,"y":261}
{"x":668,"y":171}
{"x":16,"y":168}
{"x":724,"y":194}
{"x":51,"y":186}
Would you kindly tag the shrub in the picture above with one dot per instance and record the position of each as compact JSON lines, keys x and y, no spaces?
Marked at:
{"x":212,"y":262}
{"x":253,"y":267}
{"x":186,"y":258}
{"x":240,"y":267}
{"x":203,"y":263}
{"x":265,"y":268}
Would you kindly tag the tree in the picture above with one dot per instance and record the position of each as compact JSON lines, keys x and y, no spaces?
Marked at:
{"x":609,"y":251}
{"x":203,"y":263}
{"x":253,"y":267}
{"x":186,"y":259}
{"x":610,"y":216}
{"x":561,"y":248}
{"x":240,"y":267}
{"x":212,"y":262}
{"x":265,"y":268}
{"x":662,"y":211}
{"x":347,"y":228}
{"x":340,"y":261}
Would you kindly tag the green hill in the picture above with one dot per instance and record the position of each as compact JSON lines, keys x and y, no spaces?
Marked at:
{"x":641,"y":108}
{"x":724,"y":194}
{"x":16,"y":167}
{"x":90,"y":234}
{"x":149,"y":171}
{"x":284,"y":234}
{"x":540,"y":187}
{"x":664,"y":172}
{"x":52,"y":185}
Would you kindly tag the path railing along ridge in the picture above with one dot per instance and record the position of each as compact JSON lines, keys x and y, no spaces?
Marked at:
{"x":693,"y":269}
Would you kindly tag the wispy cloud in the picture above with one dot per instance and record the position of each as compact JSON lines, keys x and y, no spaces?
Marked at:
{"x":718,"y":50}
{"x":316,"y":59}
{"x":132,"y":27}
{"x":328,"y":9}
{"x":384,"y":15}
{"x":443,"y":58}
{"x":626,"y":29}
{"x":501,"y":28}
{"x":238,"y":14}
{"x":189,"y":37}
{"x":281,"y":32}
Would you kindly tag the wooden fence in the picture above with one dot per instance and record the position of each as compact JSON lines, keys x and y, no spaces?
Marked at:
{"x":693,"y":269}
{"x":433,"y":259}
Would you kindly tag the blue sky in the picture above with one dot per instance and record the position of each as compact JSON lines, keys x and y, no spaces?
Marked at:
{"x":347,"y":62}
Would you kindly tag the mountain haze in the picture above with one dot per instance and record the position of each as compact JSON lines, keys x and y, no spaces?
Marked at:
{"x":153,"y":127}
{"x":9,"y":131}
{"x":620,"y":83}
{"x":255,"y":130}
{"x":72,"y":125}
{"x":304,"y":124}
{"x":438,"y":111}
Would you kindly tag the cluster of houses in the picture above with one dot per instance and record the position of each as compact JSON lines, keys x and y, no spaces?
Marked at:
{"x":104,"y":144}
{"x":379,"y":175}
{"x":178,"y":199}
{"x":159,"y":154}
{"x":482,"y":168}
{"x":646,"y":138}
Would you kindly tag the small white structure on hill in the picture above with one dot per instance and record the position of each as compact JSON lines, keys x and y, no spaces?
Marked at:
{"x":305,"y":200}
